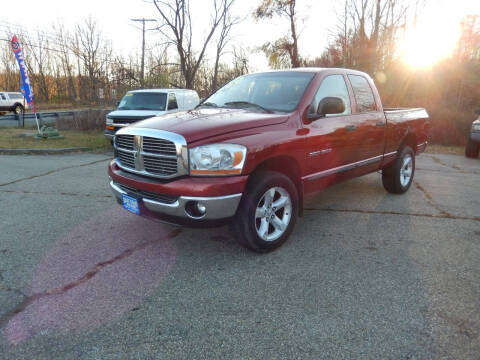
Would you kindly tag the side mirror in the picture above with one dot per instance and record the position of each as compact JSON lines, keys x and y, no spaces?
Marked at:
{"x":328,"y":106}
{"x":117,"y":103}
{"x":331,"y":105}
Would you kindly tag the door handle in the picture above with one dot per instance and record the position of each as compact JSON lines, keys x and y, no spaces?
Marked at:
{"x":351,"y":127}
{"x":380,"y":123}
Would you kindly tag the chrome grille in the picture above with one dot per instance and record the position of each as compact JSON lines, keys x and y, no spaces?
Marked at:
{"x":159,"y":146}
{"x":161,"y":166}
{"x":140,"y":152}
{"x":126,"y":159}
{"x":124,"y":141}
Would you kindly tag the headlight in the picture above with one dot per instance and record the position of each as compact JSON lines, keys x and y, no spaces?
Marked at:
{"x":476,"y":127}
{"x":217,"y":159}
{"x":109,"y":121}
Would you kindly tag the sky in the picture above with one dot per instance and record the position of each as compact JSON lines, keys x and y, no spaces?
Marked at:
{"x":317,"y":22}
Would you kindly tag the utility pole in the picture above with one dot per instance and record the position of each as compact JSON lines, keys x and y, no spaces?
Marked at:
{"x":143,"y":21}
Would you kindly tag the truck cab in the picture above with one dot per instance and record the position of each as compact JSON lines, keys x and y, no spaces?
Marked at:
{"x":143,"y":104}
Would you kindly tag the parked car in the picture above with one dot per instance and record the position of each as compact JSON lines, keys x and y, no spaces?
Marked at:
{"x":143,"y":104}
{"x":473,"y":143}
{"x":13,"y":101}
{"x":252,"y":151}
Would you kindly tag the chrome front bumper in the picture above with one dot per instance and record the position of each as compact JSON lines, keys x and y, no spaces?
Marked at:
{"x":221,"y":207}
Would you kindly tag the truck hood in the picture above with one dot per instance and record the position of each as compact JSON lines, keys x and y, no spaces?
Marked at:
{"x":134,"y":114}
{"x":199,"y":124}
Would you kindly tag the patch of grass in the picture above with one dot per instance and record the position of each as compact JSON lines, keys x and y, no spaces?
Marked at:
{"x":94,"y":140}
{"x":444,"y":149}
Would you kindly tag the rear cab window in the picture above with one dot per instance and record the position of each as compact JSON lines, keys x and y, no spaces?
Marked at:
{"x":363,"y":94}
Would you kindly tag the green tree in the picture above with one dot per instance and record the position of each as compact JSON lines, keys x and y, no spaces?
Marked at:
{"x":285,"y":48}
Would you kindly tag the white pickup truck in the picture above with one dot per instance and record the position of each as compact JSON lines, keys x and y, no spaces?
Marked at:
{"x":12,"y":101}
{"x":139,"y":105}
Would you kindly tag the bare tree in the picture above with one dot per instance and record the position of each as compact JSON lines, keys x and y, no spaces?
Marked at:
{"x":39,"y":66}
{"x":65,"y":60}
{"x":93,"y":53}
{"x":286,"y":8}
{"x":178,"y":30}
{"x":9,"y":74}
{"x":367,"y":34}
{"x":228,"y":22}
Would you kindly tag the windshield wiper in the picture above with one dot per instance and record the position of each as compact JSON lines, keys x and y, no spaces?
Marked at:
{"x":249,"y":104}
{"x":210,"y":104}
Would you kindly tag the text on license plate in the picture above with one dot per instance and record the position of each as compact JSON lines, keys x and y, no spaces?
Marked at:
{"x":131,"y":204}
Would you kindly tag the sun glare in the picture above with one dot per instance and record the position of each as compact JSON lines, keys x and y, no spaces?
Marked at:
{"x":430,"y":42}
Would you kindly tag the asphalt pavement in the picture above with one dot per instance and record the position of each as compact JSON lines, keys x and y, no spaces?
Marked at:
{"x":365,"y":274}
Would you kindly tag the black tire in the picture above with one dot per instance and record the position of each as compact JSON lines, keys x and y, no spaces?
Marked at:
{"x":472,"y":149}
{"x":393,"y":177}
{"x":245,"y":223}
{"x":18,"y":109}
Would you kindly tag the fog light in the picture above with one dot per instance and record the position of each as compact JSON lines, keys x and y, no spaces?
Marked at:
{"x":195,"y":209}
{"x":201,"y":208}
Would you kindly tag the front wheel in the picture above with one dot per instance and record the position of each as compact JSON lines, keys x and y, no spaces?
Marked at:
{"x":398,"y":176}
{"x":472,"y":149}
{"x":267,"y":212}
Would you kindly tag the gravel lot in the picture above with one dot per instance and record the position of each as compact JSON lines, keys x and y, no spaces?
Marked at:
{"x":365,"y":275}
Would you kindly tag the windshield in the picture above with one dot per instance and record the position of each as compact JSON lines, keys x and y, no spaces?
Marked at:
{"x":275,"y":91}
{"x":143,"y":101}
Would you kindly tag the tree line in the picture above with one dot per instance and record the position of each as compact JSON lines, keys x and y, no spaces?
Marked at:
{"x":79,"y":66}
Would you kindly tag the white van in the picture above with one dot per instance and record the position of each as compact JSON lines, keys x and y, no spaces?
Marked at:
{"x":139,"y":105}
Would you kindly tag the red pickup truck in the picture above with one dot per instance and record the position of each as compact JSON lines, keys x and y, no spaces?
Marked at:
{"x":253,"y":150}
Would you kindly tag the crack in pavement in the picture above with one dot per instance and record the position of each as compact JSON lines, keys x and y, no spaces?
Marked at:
{"x":464,"y":327}
{"x":453,"y":166}
{"x":28,"y":300}
{"x":54,"y":193}
{"x":358,"y":211}
{"x":443,"y":171}
{"x":53,"y":171}
{"x":430,"y":201}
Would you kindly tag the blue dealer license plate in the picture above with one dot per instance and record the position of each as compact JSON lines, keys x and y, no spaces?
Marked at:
{"x":131,"y":204}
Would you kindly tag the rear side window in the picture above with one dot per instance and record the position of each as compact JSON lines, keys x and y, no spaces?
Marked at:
{"x":332,"y":86}
{"x":172,"y":102}
{"x":363,"y":93}
{"x":15,"y":96}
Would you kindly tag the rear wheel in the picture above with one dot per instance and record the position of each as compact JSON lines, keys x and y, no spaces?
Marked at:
{"x":18,"y":109}
{"x":398,"y":176}
{"x":267,"y":212}
{"x":472,"y":149}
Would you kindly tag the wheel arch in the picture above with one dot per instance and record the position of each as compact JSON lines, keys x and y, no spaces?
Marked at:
{"x":287,"y":166}
{"x":411,"y":140}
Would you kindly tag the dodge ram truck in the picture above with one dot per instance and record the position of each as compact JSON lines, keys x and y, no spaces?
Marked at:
{"x":252,"y":151}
